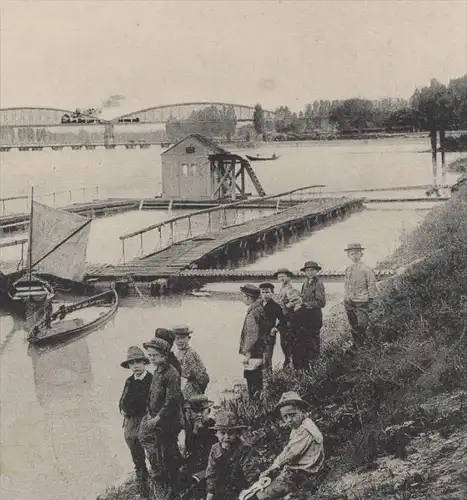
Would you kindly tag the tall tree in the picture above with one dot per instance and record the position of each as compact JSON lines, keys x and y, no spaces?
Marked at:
{"x":433,"y":106}
{"x":258,"y":119}
{"x":353,"y":113}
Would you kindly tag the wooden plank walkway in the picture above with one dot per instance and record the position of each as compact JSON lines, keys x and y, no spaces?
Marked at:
{"x":201,"y":251}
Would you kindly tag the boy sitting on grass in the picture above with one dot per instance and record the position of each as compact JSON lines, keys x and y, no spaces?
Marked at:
{"x":232,"y":464}
{"x":302,"y":457}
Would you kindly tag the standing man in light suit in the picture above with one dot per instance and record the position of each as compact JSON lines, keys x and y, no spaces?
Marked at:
{"x":360,"y":291}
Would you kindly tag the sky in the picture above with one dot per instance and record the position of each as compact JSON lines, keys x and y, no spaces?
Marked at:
{"x":75,"y":54}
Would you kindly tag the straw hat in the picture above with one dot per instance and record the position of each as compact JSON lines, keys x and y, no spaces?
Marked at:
{"x":354,"y":246}
{"x":310,"y":264}
{"x":283,"y":270}
{"x":134,"y":354}
{"x":291,"y":398}
{"x":226,"y":420}
{"x":159,"y":345}
{"x":182,"y":330}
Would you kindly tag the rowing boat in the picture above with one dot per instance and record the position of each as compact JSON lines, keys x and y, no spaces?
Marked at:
{"x":54,"y":328}
{"x":262,"y":158}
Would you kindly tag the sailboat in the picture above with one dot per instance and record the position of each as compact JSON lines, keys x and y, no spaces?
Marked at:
{"x":57,"y":246}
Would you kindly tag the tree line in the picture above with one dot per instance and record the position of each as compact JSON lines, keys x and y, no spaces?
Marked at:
{"x":435,"y":106}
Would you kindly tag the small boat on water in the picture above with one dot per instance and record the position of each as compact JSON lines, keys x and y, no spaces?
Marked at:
{"x":55,"y":328}
{"x":31,"y":288}
{"x":57,"y":245}
{"x":262,"y":158}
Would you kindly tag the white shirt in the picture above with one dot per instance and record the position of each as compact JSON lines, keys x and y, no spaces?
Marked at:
{"x":140,"y":377}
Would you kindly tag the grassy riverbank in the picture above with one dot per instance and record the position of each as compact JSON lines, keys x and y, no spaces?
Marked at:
{"x":384,"y":405}
{"x":394,"y":414}
{"x":459,"y":165}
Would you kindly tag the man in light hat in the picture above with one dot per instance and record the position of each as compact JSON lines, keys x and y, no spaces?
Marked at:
{"x":132,"y":405}
{"x":233,"y":464}
{"x":162,"y":423}
{"x":252,"y":340}
{"x":359,"y":292}
{"x":314,"y":299}
{"x":302,"y":457}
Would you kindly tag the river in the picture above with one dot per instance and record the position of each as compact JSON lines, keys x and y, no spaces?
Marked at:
{"x":61,"y":432}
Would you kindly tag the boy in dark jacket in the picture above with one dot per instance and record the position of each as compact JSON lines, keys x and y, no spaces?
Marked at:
{"x":199,"y":439}
{"x":304,"y":337}
{"x":232,"y":465}
{"x":276,"y":323}
{"x":133,"y":403}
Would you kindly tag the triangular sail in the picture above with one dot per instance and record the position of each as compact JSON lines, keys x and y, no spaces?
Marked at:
{"x":51,"y":227}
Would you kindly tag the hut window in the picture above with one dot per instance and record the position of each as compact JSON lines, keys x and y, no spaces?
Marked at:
{"x":184,"y":169}
{"x":190,"y":150}
{"x":193,"y":169}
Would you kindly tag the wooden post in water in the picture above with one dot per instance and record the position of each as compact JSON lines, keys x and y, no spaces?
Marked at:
{"x":442,"y":141}
{"x":434,"y":155}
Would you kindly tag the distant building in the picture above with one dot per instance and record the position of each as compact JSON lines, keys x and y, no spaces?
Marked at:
{"x":196,"y":168}
{"x":186,"y":168}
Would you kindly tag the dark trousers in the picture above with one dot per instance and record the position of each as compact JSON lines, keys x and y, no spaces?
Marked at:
{"x":305,"y":350}
{"x":130,"y":432}
{"x":358,"y":316}
{"x":254,"y":382}
{"x":161,"y":445}
{"x":286,"y":345}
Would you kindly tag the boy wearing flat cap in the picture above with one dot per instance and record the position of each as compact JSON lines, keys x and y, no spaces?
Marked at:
{"x":284,"y":276}
{"x":276,"y":323}
{"x":314,"y":299}
{"x":232,"y":464}
{"x":252,"y":339}
{"x":132,"y":405}
{"x":302,"y":457}
{"x":359,"y":292}
{"x":169,"y":336}
{"x":162,"y":423}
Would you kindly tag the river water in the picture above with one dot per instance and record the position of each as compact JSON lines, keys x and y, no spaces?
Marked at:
{"x":61,"y":431}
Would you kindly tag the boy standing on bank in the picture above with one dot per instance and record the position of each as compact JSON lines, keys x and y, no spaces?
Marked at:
{"x":133,"y":403}
{"x":252,"y":340}
{"x":314,"y":299}
{"x":284,"y":276}
{"x":360,"y":291}
{"x":193,"y":369}
{"x":276,"y":323}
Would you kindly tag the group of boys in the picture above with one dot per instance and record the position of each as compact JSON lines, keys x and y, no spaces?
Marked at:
{"x":296,"y":316}
{"x":217,"y":463}
{"x":156,"y":408}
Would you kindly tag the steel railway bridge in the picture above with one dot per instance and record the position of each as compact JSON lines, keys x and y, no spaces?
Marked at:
{"x":33,"y":128}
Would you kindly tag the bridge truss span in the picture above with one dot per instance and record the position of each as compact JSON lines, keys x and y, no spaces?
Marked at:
{"x":205,"y":111}
{"x":36,"y":116}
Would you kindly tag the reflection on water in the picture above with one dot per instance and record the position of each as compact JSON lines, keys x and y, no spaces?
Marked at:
{"x":58,"y":439}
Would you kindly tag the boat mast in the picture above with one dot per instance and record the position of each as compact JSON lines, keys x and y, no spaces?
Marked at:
{"x":29,"y":263}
